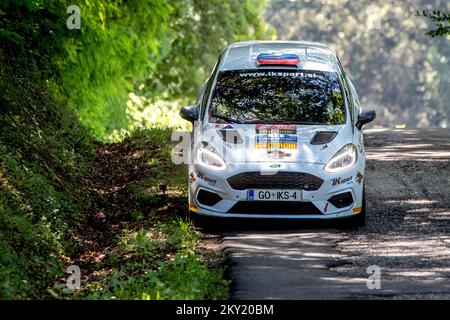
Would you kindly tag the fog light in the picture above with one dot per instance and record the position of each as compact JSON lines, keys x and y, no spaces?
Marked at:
{"x":341,"y":200}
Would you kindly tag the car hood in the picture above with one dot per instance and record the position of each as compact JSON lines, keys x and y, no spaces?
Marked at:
{"x":245,"y":143}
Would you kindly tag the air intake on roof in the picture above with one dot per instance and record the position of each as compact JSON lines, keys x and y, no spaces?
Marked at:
{"x":323,"y":137}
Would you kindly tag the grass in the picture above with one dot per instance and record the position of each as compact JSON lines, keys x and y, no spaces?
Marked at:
{"x":54,"y":183}
{"x":160,"y":263}
{"x":44,"y":159}
{"x":151,"y":248}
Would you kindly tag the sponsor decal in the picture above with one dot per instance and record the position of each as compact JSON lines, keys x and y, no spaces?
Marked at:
{"x":275,"y":141}
{"x":223,"y":126}
{"x":276,"y":138}
{"x":276,"y":128}
{"x":359,"y":177}
{"x":192,"y":178}
{"x":339,"y":181}
{"x":278,"y":154}
{"x":360,"y":148}
{"x":279,"y":74}
{"x":275,"y":145}
{"x":204,"y":177}
{"x":361,"y":144}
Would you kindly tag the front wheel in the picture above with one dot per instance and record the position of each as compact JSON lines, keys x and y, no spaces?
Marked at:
{"x":205,"y":223}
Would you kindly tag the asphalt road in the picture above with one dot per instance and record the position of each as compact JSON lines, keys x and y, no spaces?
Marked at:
{"x":407,"y":235}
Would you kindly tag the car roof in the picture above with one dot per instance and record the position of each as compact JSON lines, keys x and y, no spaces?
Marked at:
{"x":313,"y":55}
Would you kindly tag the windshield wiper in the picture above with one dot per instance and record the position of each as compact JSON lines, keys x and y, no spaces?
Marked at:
{"x":231,"y":120}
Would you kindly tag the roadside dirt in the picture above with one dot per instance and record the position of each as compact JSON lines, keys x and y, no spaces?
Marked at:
{"x":132,"y":187}
{"x":117,"y":167}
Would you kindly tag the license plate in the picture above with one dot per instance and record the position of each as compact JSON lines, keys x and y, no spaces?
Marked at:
{"x":274,"y":195}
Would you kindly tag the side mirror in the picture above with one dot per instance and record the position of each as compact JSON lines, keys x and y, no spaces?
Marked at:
{"x":189,"y":113}
{"x":365,"y":117}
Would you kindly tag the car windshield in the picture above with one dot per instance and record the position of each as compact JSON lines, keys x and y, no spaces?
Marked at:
{"x":304,"y":97}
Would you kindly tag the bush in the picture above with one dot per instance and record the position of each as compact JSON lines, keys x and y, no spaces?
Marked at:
{"x":44,"y":155}
{"x":163,"y":265}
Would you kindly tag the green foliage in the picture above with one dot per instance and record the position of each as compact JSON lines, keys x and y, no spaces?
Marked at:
{"x":161,"y":49}
{"x":397,"y":69}
{"x":95,"y":66}
{"x":157,"y":140}
{"x":43,"y":159}
{"x":59,"y":88}
{"x":149,"y":274}
{"x":44,"y":152}
{"x":442,"y":21}
{"x":117,"y":45}
{"x":34,"y":32}
{"x":160,"y":258}
{"x":198,"y":32}
{"x":144,"y":114}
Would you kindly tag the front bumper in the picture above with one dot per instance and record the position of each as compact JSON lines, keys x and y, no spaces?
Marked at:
{"x":315,"y":202}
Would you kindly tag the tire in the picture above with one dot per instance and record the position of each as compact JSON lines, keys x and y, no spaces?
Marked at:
{"x":358,"y":220}
{"x":204,"y":222}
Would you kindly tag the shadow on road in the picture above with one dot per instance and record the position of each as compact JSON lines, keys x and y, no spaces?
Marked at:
{"x":407,"y":233}
{"x":210,"y":224}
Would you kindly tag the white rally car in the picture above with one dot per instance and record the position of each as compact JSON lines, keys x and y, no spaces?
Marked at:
{"x":278,"y":134}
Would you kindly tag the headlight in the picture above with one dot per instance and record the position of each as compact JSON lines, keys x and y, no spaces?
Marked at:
{"x":344,"y":158}
{"x":209,"y":157}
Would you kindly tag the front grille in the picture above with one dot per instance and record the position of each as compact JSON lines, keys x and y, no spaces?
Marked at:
{"x":341,"y":200}
{"x":280,"y":180}
{"x":208,"y":198}
{"x":274,"y":207}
